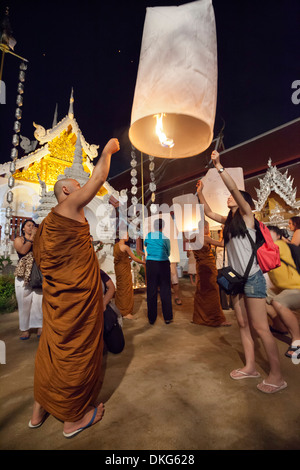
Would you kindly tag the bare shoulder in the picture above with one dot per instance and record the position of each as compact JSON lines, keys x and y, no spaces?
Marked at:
{"x":69,"y":210}
{"x":18,"y":241}
{"x":124,"y":248}
{"x":296,"y":237}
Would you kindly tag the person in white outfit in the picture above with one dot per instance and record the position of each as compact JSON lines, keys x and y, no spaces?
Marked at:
{"x":29,"y":300}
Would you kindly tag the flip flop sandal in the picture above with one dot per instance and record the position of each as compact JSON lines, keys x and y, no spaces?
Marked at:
{"x":74,"y":433}
{"x":274,"y":388}
{"x":243,"y":375}
{"x":24,"y":338}
{"x":34,"y":426}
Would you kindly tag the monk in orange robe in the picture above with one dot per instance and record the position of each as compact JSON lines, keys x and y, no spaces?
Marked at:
{"x":69,"y":356}
{"x":124,"y":298}
{"x":207,"y":304}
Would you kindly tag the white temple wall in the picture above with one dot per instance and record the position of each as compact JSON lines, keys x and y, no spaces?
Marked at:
{"x":25,"y":200}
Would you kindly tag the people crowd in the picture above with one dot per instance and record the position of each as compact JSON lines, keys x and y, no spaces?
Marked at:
{"x":65,"y":312}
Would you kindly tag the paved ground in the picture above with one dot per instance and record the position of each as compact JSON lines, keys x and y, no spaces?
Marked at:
{"x":168,"y":390}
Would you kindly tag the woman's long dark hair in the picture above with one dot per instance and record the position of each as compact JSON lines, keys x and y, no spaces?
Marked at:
{"x":24,"y":223}
{"x":235,"y":225}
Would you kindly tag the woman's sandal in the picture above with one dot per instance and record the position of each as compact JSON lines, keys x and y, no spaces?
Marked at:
{"x":294,"y":352}
{"x":25,"y":335}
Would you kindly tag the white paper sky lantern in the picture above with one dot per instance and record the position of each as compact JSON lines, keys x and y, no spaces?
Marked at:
{"x":187,"y":212}
{"x":176,"y":87}
{"x":216,"y":193}
{"x":189,"y":218}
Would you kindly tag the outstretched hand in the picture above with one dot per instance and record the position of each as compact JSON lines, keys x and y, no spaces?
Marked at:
{"x":199,"y":186}
{"x":215,"y":156}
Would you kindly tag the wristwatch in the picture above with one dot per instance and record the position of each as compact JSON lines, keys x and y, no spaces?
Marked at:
{"x":221,"y":170}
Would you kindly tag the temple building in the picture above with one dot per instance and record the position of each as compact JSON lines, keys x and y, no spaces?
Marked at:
{"x":58,"y":152}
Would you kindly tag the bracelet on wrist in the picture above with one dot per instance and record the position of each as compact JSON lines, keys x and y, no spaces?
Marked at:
{"x":221,"y":170}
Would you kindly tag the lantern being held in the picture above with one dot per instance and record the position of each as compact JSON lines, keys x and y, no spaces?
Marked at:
{"x":189,"y":218}
{"x":175,"y":96}
{"x":216,"y":193}
{"x":187,"y":212}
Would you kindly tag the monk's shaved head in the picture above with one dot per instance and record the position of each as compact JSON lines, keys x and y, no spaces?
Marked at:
{"x":64,"y":184}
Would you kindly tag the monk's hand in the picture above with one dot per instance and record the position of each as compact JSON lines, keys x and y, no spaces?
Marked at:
{"x":33,"y":232}
{"x":112,"y":146}
{"x":215,"y":156}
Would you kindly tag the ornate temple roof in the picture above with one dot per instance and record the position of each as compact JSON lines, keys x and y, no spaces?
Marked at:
{"x":55,"y":153}
{"x":280,"y":183}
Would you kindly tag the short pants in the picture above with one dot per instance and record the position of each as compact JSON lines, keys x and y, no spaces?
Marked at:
{"x":256,"y":286}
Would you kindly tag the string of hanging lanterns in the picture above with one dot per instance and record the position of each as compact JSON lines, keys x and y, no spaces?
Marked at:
{"x":134,"y":181}
{"x":14,"y":154}
{"x":133,"y":173}
{"x":152,"y":184}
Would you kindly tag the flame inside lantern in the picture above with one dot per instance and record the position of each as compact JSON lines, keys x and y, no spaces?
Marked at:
{"x":164,"y":140}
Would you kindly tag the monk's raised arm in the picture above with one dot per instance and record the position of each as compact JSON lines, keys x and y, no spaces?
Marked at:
{"x":85,"y":194}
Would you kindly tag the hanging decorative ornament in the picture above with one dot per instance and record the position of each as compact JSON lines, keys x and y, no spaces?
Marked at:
{"x":133,"y":180}
{"x":7,"y":229}
{"x":20,"y":88}
{"x":152,"y":185}
{"x":18,"y":114}
{"x":123,"y":195}
{"x":15,"y":140}
{"x":22,"y":76}
{"x":12,"y":167}
{"x":17,"y":126}
{"x":10,"y":197}
{"x":19,"y":100}
{"x":174,"y":103}
{"x":133,"y":163}
{"x":11,"y":182}
{"x":14,"y":155}
{"x":8,"y":212}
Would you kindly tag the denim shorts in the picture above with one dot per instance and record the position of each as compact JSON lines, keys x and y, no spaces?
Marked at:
{"x":256,"y":286}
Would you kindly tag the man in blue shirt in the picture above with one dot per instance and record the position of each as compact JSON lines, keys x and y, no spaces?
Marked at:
{"x":158,"y":273}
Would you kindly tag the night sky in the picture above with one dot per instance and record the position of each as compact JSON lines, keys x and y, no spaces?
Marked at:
{"x":94,"y":47}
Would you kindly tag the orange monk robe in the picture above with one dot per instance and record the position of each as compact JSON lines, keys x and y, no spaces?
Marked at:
{"x":69,"y":356}
{"x":207,"y":306}
{"x":124,"y":290}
